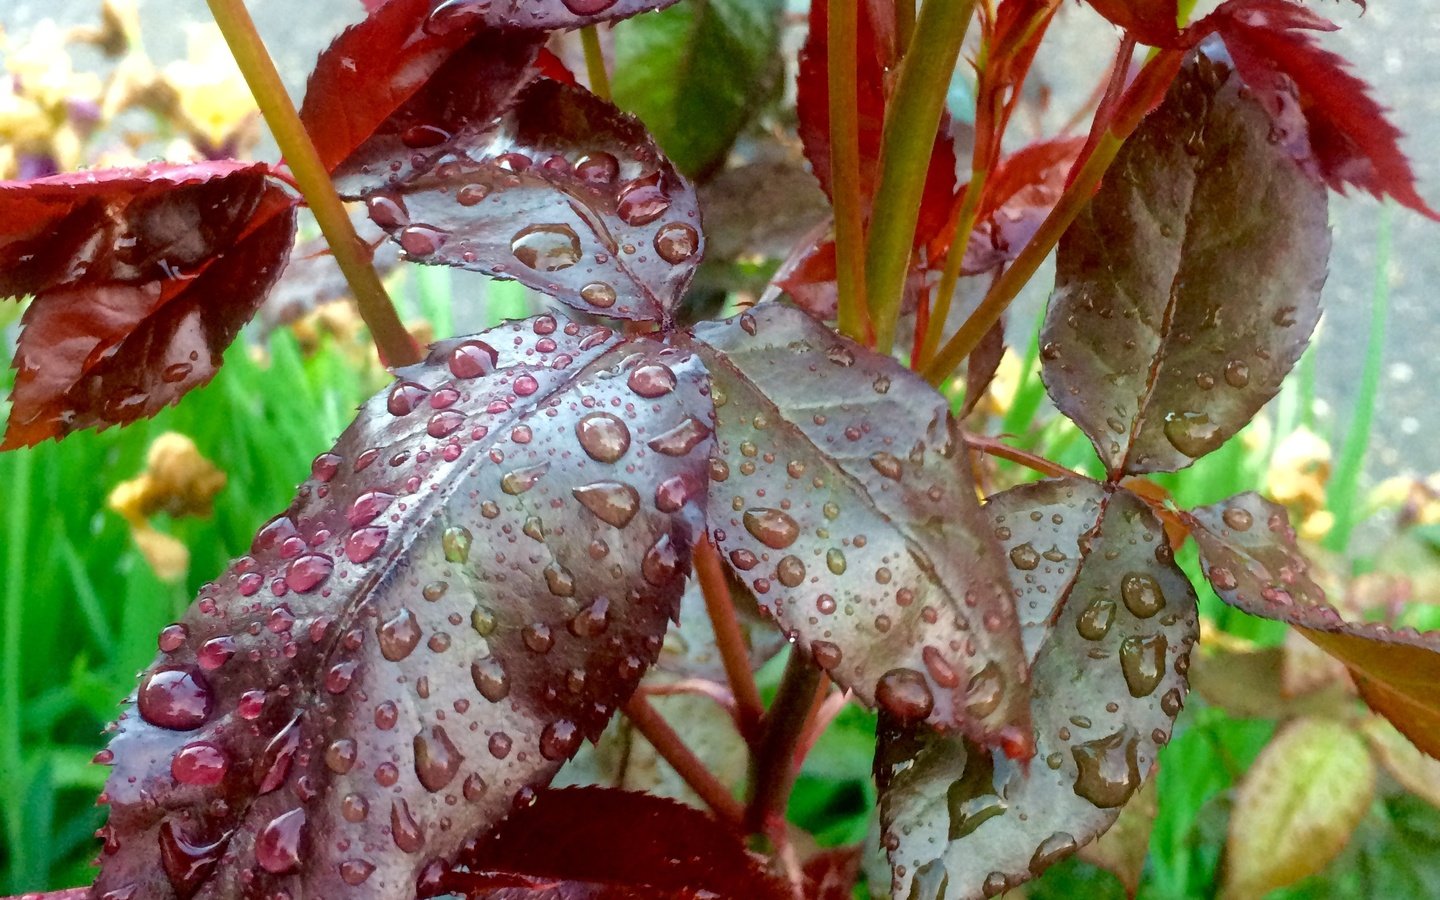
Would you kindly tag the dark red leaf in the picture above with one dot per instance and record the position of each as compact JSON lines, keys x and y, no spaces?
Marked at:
{"x":536,"y":15}
{"x":842,"y":495}
{"x":1249,"y":553}
{"x":1351,"y":139}
{"x":600,"y":843}
{"x":1188,"y":286}
{"x":832,"y":874}
{"x":472,"y":580}
{"x":387,"y":92}
{"x":552,"y":67}
{"x":1153,"y":22}
{"x":141,"y":278}
{"x":875,"y":63}
{"x":1110,"y":621}
{"x":567,"y":195}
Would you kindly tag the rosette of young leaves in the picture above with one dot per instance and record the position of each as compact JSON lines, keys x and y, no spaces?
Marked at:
{"x":1248,"y":551}
{"x":1116,"y":620}
{"x":841,"y":494}
{"x":565,"y":194}
{"x":141,"y":279}
{"x":1190,"y":284}
{"x":472,"y":580}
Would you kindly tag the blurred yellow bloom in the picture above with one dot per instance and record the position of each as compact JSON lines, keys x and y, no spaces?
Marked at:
{"x":1298,"y":473}
{"x":213,"y":95}
{"x":177,"y":481}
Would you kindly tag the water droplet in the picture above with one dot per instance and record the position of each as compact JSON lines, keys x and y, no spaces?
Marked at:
{"x":354,"y":871}
{"x":1024,"y":557}
{"x":681,"y":439}
{"x":187,"y":864}
{"x":1238,"y":519}
{"x":592,"y":620}
{"x":651,"y":380}
{"x":398,"y":635}
{"x":599,"y":168}
{"x":985,"y":692}
{"x":176,"y":699}
{"x":887,"y":465}
{"x":308,"y":572}
{"x":172,"y":637}
{"x":1142,"y":595}
{"x":404,"y":830}
{"x":1094,"y":621}
{"x":1222,"y":578}
{"x":603,"y":436}
{"x":362,"y":544}
{"x":790,"y":571}
{"x":472,"y":359}
{"x":546,"y":248}
{"x":598,"y":294}
{"x":1171,"y":703}
{"x":277,"y":847}
{"x":771,"y":527}
{"x":940,"y":668}
{"x":436,"y":759}
{"x":472,"y":194}
{"x":404,"y":397}
{"x":1237,"y":374}
{"x":835,"y":561}
{"x":1109,"y":769}
{"x":340,"y":755}
{"x":199,"y":763}
{"x":827,"y":655}
{"x":905,"y":694}
{"x":1193,"y":434}
{"x":676,"y":242}
{"x":419,"y":241}
{"x":661,"y":562}
{"x":1051,"y":850}
{"x":610,"y":501}
{"x":387,"y":211}
{"x":559,"y":740}
{"x":519,"y":481}
{"x":1142,"y":661}
{"x":490,"y":679}
{"x":367,"y":506}
{"x":643,"y":200}
{"x":455,"y":541}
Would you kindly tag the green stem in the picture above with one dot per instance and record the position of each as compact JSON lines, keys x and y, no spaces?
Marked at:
{"x":853,"y":315}
{"x":396,"y":346}
{"x":595,"y":62}
{"x":964,"y":225}
{"x":910,"y":126}
{"x":773,"y":768}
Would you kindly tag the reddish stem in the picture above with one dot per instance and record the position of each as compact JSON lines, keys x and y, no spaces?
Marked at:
{"x":772,"y":774}
{"x":689,"y":767}
{"x":992,"y":447}
{"x":734,"y":650}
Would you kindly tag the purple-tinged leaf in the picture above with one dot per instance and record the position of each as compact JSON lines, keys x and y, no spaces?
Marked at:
{"x":567,"y":195}
{"x":473,"y":579}
{"x":1188,"y":287}
{"x":141,"y":278}
{"x":1107,"y":682}
{"x":534,"y":15}
{"x":1248,"y":551}
{"x":841,"y":493}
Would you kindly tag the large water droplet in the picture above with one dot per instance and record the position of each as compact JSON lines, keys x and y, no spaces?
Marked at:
{"x":559,"y":739}
{"x":643,"y":200}
{"x":1142,"y":594}
{"x":771,"y":527}
{"x":398,"y":635}
{"x":1024,"y":557}
{"x":1094,"y":621}
{"x":1142,"y":661}
{"x":277,"y":847}
{"x":986,"y":691}
{"x":455,"y":542}
{"x":1237,"y":519}
{"x":598,"y":294}
{"x":546,"y":248}
{"x":661,"y":562}
{"x":1193,"y":434}
{"x":1109,"y":769}
{"x":905,"y":694}
{"x":404,"y":397}
{"x":367,"y":506}
{"x":1237,"y":374}
{"x":610,"y":501}
{"x":651,"y":380}
{"x":177,"y":699}
{"x":676,"y":242}
{"x":681,"y":439}
{"x":187,"y":864}
{"x":472,"y":359}
{"x":308,"y":572}
{"x":436,"y":758}
{"x":490,"y":679}
{"x":519,"y":481}
{"x":1051,"y":850}
{"x":363,"y":543}
{"x":598,"y":168}
{"x":404,"y":830}
{"x":603,"y":436}
{"x":199,"y":763}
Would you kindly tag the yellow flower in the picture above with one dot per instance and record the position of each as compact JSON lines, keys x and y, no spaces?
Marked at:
{"x":1299,"y":471}
{"x":213,"y":95}
{"x":178,"y":481}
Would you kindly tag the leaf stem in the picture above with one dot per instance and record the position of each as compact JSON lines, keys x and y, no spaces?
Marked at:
{"x":595,"y":62}
{"x":964,"y":224}
{"x":992,"y":447}
{"x":773,"y":771}
{"x":844,"y":91}
{"x":1148,"y":86}
{"x":395,"y":344}
{"x":734,"y":651}
{"x":680,"y":757}
{"x":909,"y":137}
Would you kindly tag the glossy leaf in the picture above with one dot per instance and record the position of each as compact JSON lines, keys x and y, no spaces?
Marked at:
{"x":1108,"y":680}
{"x":566,"y":195}
{"x":1310,"y":89}
{"x":1122,"y":849}
{"x":1248,"y":550}
{"x":593,"y":843}
{"x":1153,"y":22}
{"x":699,"y":73}
{"x":841,"y":493}
{"x":1190,"y":284}
{"x":535,"y":15}
{"x":141,"y":278}
{"x":1297,"y":806}
{"x":470,"y":582}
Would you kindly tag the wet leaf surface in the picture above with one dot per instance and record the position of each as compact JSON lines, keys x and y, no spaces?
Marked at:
{"x":392,"y":91}
{"x":471,"y":581}
{"x":616,"y":844}
{"x":841,"y":494}
{"x":1107,"y":680}
{"x":141,"y":277}
{"x":535,"y":15}
{"x":1190,"y":284}
{"x":566,"y":195}
{"x":1297,"y":806}
{"x":1249,"y":553}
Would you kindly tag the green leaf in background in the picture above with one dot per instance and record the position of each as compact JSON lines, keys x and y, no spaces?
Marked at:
{"x":697,"y":73}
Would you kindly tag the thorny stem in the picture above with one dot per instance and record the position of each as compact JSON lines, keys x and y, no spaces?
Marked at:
{"x":964,"y":224}
{"x":909,"y":137}
{"x":772,"y":766}
{"x":689,"y":767}
{"x":396,"y":346}
{"x":852,"y":312}
{"x":1151,"y":84}
{"x":595,"y":62}
{"x":734,"y":652}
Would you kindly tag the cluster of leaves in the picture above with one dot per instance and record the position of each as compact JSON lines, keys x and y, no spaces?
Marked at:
{"x":479,"y":572}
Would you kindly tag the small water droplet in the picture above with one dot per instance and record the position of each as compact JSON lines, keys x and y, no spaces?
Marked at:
{"x":490,"y":679}
{"x":1238,"y":519}
{"x":827,"y":655}
{"x":1051,"y":850}
{"x":455,"y":541}
{"x":651,"y":380}
{"x":277,"y":847}
{"x":559,"y":740}
{"x":1193,"y":434}
{"x":905,"y":694}
{"x":404,"y":830}
{"x":1024,"y":557}
{"x":398,"y":635}
{"x":610,"y":501}
{"x":472,"y":359}
{"x":1237,"y":374}
{"x":199,"y":763}
{"x":771,"y":527}
{"x":1094,"y":621}
{"x":598,"y":294}
{"x":676,"y":242}
{"x":436,"y":759}
{"x":175,"y":699}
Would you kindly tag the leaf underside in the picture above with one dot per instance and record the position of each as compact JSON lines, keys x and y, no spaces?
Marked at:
{"x":842,"y":496}
{"x":473,"y":579}
{"x":1107,"y":681}
{"x":1190,"y":284}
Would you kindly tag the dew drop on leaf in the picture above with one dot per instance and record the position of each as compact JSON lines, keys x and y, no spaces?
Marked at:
{"x":546,"y":248}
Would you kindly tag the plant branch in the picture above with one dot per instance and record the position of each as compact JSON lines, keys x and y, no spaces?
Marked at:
{"x":992,"y":447}
{"x":1148,"y":87}
{"x":689,"y":767}
{"x":396,"y":346}
{"x":909,"y":137}
{"x":772,"y":769}
{"x":595,"y":62}
{"x":964,"y":224}
{"x":734,"y":651}
{"x":844,"y":90}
